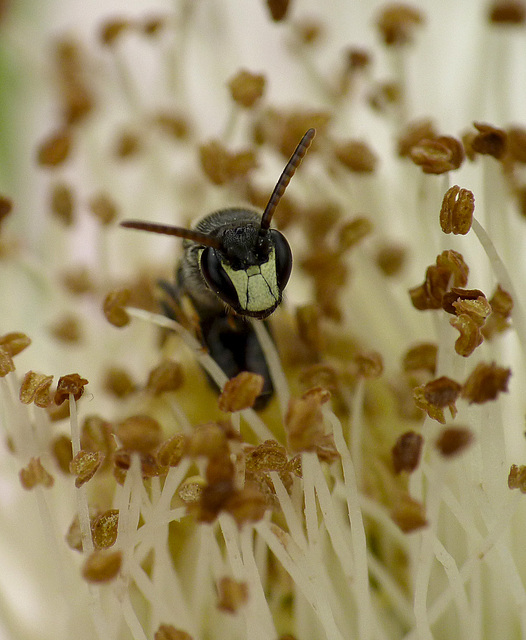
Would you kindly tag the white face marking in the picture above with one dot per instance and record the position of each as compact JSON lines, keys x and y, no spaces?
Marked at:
{"x":257,"y":287}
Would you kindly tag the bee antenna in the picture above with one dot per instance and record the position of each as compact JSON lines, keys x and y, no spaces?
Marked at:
{"x":169,"y":230}
{"x":285,"y":178}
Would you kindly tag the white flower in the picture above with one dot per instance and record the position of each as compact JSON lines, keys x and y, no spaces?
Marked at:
{"x":329,"y":515}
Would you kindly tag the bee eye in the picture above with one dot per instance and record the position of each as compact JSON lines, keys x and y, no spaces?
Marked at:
{"x":283,"y":258}
{"x":216,"y":277}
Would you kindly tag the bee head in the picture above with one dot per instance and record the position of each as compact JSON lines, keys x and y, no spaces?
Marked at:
{"x":244,"y":262}
{"x":249,"y":270}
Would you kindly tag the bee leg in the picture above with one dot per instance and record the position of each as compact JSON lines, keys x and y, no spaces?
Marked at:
{"x":233,"y":344}
{"x":169,"y":299}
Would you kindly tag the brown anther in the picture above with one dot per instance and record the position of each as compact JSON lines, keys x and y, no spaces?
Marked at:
{"x":104,"y":529}
{"x":127,"y":145}
{"x":62,"y":452}
{"x":77,"y":280}
{"x":467,"y":142}
{"x":457,"y":294}
{"x":166,"y":376}
{"x":501,"y":302}
{"x":415,"y":133}
{"x":84,"y":465}
{"x":406,"y":452}
{"x":55,"y":149}
{"x":34,"y":474}
{"x":102,"y":566}
{"x":232,"y":594}
{"x":207,"y":440}
{"x":517,"y":144}
{"x":305,"y":428}
{"x":453,"y":441}
{"x":354,"y":231}
{"x":35,"y":388}
{"x":191,"y":489}
{"x":434,"y":396}
{"x":356,"y":156}
{"x":176,"y":126}
{"x":320,"y":375}
{"x":72,"y":384}
{"x":103,"y":208}
{"x":278,"y":9}
{"x":478,"y":310}
{"x":319,"y":393}
{"x":397,"y":23}
{"x":56,"y":414}
{"x":384,"y":95}
{"x":74,"y":535}
{"x":485,"y":383}
{"x":67,"y":329}
{"x":122,"y":459}
{"x":220,"y":468}
{"x":309,"y":330}
{"x":6,"y":206}
{"x":268,"y":456}
{"x":97,"y":435}
{"x":429,"y":295}
{"x":391,"y":259}
{"x":449,"y":266}
{"x":442,"y":392}
{"x":139,"y":433}
{"x":370,"y":364}
{"x":114,"y":307}
{"x":246,"y":88}
{"x":282,"y":129}
{"x":222,"y":166}
{"x":241,"y":392}
{"x":118,"y":382}
{"x":454,"y":263}
{"x":171,"y":452}
{"x":213,"y":499}
{"x":507,"y":12}
{"x":113,"y":29}
{"x":456,"y":214}
{"x":489,"y":141}
{"x":308,"y":30}
{"x":470,"y":335}
{"x":409,"y":514}
{"x":501,"y":307}
{"x":437,"y":155}
{"x":169,"y":632}
{"x":152,"y":25}
{"x":62,"y":203}
{"x":294,"y":465}
{"x":15,"y":342}
{"x":241,"y":164}
{"x":325,"y":265}
{"x":517,"y":477}
{"x":421,"y":356}
{"x":358,"y":58}
{"x":246,"y":505}
{"x":75,"y":96}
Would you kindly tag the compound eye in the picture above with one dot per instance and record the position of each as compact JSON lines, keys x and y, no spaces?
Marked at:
{"x":217,"y":278}
{"x":283,"y":258}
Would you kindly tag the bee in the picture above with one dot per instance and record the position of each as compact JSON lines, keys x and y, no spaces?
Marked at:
{"x":234,"y":267}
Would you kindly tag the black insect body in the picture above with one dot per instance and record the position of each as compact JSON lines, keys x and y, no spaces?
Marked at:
{"x":234,"y":266}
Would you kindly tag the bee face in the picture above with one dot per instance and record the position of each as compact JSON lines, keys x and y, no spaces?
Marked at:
{"x":250,"y":270}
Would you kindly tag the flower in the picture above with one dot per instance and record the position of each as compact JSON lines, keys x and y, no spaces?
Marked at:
{"x":379,"y":495}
